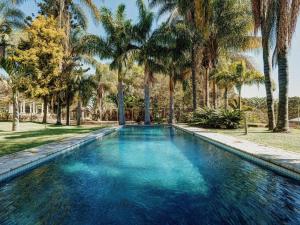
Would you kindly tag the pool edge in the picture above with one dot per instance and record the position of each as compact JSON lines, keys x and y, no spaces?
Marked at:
{"x":287,"y":170}
{"x":55,"y":149}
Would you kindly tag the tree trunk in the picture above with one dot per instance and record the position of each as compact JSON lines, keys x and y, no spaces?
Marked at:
{"x":15,"y":119}
{"x":226,"y":98}
{"x":207,"y":88}
{"x":58,"y":113}
{"x":268,"y":85}
{"x":194,"y":81}
{"x":121,"y":107}
{"x":240,"y":99}
{"x":100,"y":108}
{"x":79,"y":113}
{"x":171,"y":107}
{"x":214,"y":94}
{"x":147,"y":96}
{"x":68,"y":109}
{"x":283,"y":80}
{"x":45,"y":110}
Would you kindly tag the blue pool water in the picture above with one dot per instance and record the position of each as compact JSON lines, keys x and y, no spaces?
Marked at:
{"x":154,"y":176}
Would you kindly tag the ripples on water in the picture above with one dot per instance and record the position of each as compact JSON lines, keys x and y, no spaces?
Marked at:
{"x":150,"y":176}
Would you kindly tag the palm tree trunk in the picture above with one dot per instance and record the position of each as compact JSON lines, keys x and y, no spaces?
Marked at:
{"x":121,"y":107}
{"x":68,"y":102}
{"x":58,"y":113}
{"x":45,"y":110}
{"x":194,"y":82}
{"x":283,"y":80}
{"x":79,"y":113}
{"x":100,"y":108}
{"x":147,"y":96}
{"x":240,"y":98}
{"x":15,"y":119}
{"x":214,"y":94}
{"x":226,"y":98}
{"x":171,"y":107}
{"x":268,"y":85}
{"x":207,"y":88}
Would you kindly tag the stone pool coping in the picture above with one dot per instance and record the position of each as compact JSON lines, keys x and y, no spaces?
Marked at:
{"x":14,"y":164}
{"x":281,"y":161}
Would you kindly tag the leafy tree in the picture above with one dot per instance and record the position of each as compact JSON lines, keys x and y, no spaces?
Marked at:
{"x":40,"y":52}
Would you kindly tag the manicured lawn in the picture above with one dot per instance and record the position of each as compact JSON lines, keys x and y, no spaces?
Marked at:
{"x":288,"y":141}
{"x":34,"y":134}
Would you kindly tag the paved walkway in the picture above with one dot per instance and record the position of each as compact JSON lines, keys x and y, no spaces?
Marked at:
{"x":13,"y":164}
{"x":282,"y":161}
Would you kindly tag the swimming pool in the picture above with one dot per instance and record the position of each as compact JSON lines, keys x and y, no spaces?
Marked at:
{"x":150,"y":175}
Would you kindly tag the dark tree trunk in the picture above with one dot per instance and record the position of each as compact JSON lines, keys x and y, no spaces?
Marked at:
{"x":194,"y":81}
{"x":283,"y":80}
{"x":226,"y":98}
{"x":45,"y":110}
{"x":268,"y":85}
{"x":79,"y":113}
{"x":58,"y":113}
{"x":214,"y":94}
{"x":121,"y":107}
{"x":207,"y":88}
{"x":68,"y":109}
{"x":171,"y":107}
{"x":15,"y":119}
{"x":147,"y":96}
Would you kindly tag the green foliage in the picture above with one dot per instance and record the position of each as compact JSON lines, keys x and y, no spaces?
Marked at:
{"x":41,"y":53}
{"x":210,"y":118}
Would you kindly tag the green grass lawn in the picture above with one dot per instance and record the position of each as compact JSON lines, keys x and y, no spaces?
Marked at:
{"x":288,"y":141}
{"x":34,"y":134}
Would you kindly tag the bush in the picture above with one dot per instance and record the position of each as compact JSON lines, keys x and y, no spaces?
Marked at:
{"x":210,"y":118}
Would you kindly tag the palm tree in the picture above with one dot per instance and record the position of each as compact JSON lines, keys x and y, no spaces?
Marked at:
{"x":175,"y":58}
{"x":286,"y":13}
{"x":85,"y":85}
{"x":116,"y":46}
{"x":10,"y":18}
{"x":225,"y":79}
{"x":180,"y":9}
{"x":244,"y":76}
{"x":146,"y":45}
{"x":228,"y":31}
{"x":263,"y":13}
{"x":13,"y":76}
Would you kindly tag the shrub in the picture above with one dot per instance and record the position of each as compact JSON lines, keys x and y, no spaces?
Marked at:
{"x":210,"y":118}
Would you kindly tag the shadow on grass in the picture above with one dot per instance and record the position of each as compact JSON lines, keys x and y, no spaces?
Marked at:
{"x":14,"y":142}
{"x":50,"y":132}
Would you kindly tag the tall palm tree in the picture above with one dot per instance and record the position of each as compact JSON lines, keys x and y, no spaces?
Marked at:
{"x":287,"y":14}
{"x":263,"y":13}
{"x":175,"y":58}
{"x":116,"y":46}
{"x":229,"y":25}
{"x":186,"y":10}
{"x":146,"y":45}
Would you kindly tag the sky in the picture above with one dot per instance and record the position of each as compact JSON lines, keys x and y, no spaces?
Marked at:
{"x":30,"y":7}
